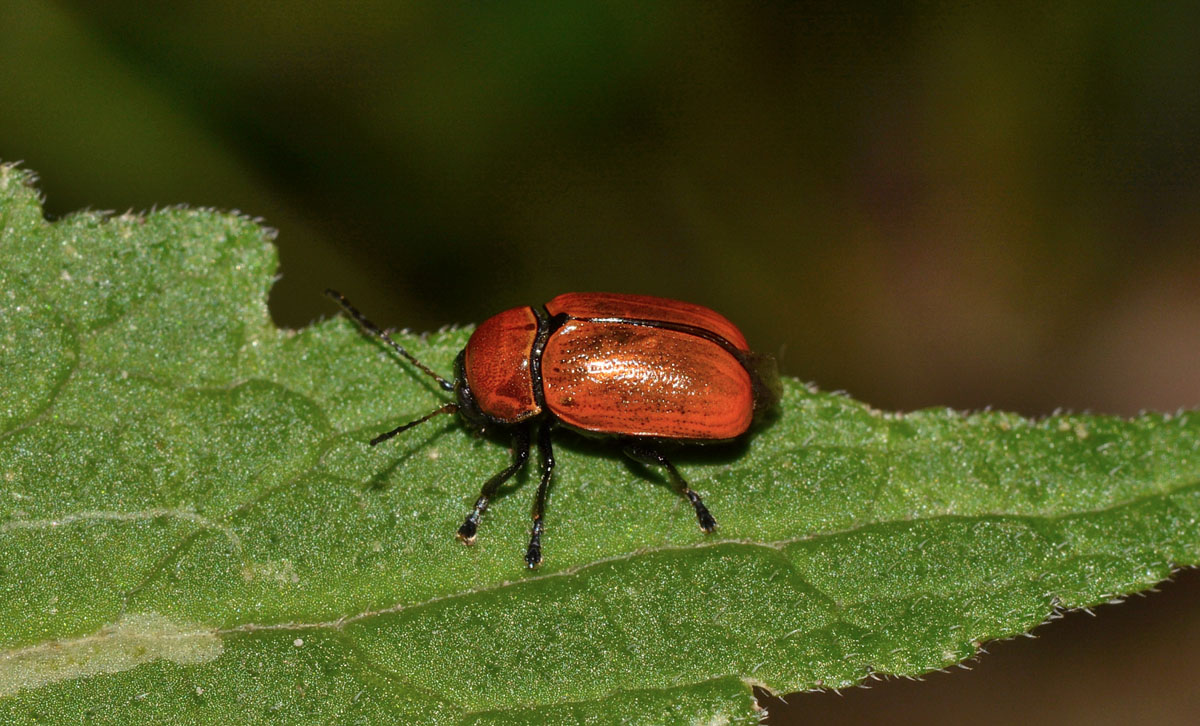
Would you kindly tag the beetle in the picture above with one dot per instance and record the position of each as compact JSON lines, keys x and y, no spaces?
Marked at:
{"x":647,"y":371}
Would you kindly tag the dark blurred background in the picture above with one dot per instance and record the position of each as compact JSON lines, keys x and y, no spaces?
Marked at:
{"x":923,"y":205}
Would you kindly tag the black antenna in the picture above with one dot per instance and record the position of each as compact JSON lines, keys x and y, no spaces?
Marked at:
{"x":448,"y":408}
{"x":372,"y":327}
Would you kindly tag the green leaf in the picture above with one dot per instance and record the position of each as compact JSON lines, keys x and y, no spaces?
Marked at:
{"x":194,"y":529}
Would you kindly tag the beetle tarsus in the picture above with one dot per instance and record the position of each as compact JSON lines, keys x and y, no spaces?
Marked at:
{"x":467,"y":531}
{"x":533,"y":555}
{"x":707,"y":523}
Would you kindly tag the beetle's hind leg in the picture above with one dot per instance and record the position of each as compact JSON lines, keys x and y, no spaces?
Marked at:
{"x":520,"y":455}
{"x":533,"y":555}
{"x":640,"y":452}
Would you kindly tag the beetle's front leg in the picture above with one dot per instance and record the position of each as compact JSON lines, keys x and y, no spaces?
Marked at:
{"x":533,"y":555}
{"x":520,"y":455}
{"x":641,"y":452}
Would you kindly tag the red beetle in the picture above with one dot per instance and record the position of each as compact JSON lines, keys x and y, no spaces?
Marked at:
{"x":646,"y":370}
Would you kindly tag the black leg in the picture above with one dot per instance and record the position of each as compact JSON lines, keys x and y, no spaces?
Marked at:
{"x":647,"y":455}
{"x":520,"y":455}
{"x":533,"y":555}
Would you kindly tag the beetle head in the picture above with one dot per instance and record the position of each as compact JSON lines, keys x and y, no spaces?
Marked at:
{"x":468,"y":408}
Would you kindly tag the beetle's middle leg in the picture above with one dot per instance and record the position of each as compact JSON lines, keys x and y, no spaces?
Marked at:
{"x":520,"y":455}
{"x":640,"y":452}
{"x":533,"y":555}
